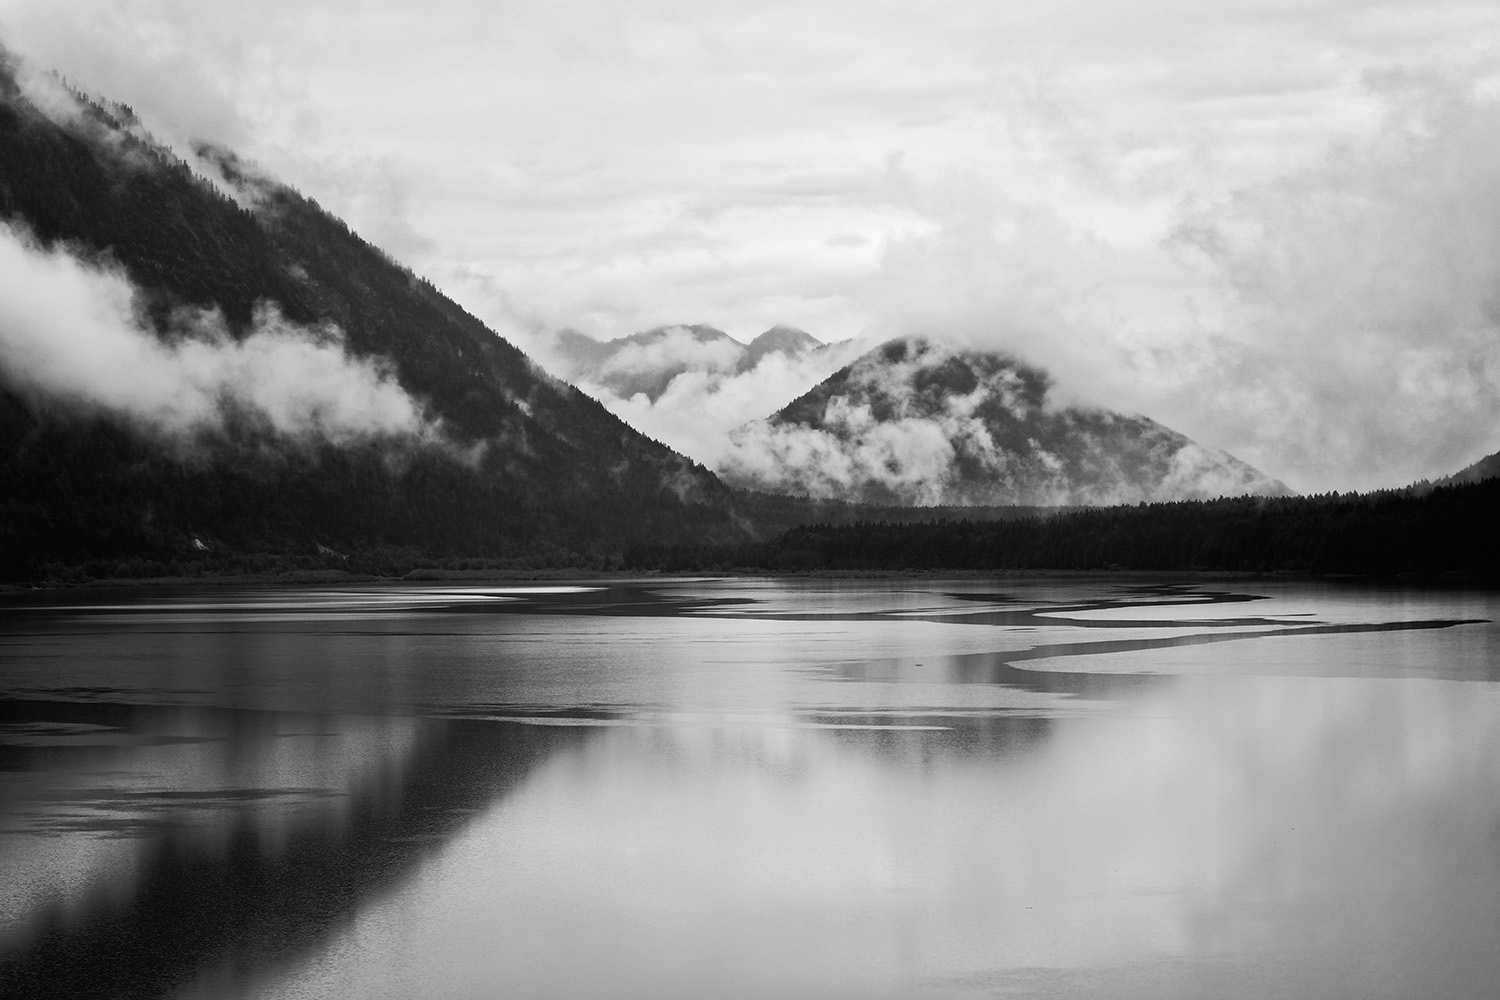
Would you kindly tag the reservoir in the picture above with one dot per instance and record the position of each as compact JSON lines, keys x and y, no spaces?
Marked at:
{"x":1018,"y":786}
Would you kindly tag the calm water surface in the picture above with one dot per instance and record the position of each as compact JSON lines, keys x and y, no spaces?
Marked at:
{"x":1030,"y":787}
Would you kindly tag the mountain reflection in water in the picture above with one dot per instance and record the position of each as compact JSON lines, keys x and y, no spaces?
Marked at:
{"x":217,"y":884}
{"x":1064,"y":787}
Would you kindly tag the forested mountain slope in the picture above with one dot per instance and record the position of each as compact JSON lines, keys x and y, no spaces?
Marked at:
{"x":1487,"y":467}
{"x":499,"y":458}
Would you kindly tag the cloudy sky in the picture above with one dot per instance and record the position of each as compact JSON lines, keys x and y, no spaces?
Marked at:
{"x":1271,"y":224}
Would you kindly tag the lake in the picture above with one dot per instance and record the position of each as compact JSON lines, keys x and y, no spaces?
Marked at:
{"x":1020,"y":786}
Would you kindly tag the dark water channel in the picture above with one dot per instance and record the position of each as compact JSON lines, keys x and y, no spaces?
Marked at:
{"x":1037,"y":787}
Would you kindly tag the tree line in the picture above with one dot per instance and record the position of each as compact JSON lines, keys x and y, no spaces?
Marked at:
{"x":1445,"y":531}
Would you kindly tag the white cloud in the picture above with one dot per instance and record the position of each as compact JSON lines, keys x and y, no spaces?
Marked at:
{"x":70,"y":334}
{"x":700,"y":408}
{"x":911,"y":457}
{"x":676,"y":347}
{"x":1358,"y":339}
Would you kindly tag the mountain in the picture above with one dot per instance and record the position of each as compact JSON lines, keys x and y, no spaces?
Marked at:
{"x":1486,"y":468}
{"x":780,"y":339}
{"x":912,"y":422}
{"x":647,"y":362}
{"x":196,"y":360}
{"x":579,"y":350}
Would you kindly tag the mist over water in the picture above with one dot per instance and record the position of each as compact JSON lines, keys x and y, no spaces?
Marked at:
{"x":1028,"y":786}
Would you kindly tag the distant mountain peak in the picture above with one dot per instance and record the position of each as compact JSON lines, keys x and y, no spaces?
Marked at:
{"x":783,"y":339}
{"x":915,"y":422}
{"x":785,"y":332}
{"x":646,"y":363}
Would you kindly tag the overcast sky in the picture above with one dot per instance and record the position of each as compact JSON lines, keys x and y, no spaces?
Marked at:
{"x":1271,"y":224}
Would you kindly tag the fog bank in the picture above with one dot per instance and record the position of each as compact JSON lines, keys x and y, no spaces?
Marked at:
{"x":70,"y":333}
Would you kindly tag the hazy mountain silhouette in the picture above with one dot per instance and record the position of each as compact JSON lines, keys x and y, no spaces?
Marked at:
{"x":782,"y":339}
{"x":1486,"y":468}
{"x":916,"y":423}
{"x":647,"y":362}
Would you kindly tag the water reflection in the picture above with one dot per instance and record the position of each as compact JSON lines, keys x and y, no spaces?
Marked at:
{"x":743,"y":788}
{"x":1332,"y":839}
{"x":236,"y":876}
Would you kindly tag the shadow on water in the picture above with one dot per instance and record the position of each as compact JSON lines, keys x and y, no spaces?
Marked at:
{"x":243,"y":903}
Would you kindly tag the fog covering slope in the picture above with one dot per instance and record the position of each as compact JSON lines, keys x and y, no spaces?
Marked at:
{"x":914,"y":422}
{"x":1487,"y":467}
{"x":195,"y":359}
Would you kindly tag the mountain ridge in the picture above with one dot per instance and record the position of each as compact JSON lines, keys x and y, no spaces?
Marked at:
{"x":915,"y":422}
{"x":781,"y":339}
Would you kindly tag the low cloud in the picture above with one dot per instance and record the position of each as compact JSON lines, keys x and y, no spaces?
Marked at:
{"x":1358,"y":339}
{"x":70,"y":333}
{"x":908,"y":460}
{"x":1001,"y":274}
{"x":699,"y":408}
{"x":647,"y":365}
{"x":676,"y":347}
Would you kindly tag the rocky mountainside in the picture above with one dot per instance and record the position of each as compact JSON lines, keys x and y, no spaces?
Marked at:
{"x":647,"y":362}
{"x":240,"y":372}
{"x":912,"y":422}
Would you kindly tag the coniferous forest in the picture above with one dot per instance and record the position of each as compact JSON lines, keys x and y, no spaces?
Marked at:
{"x":1449,"y":530}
